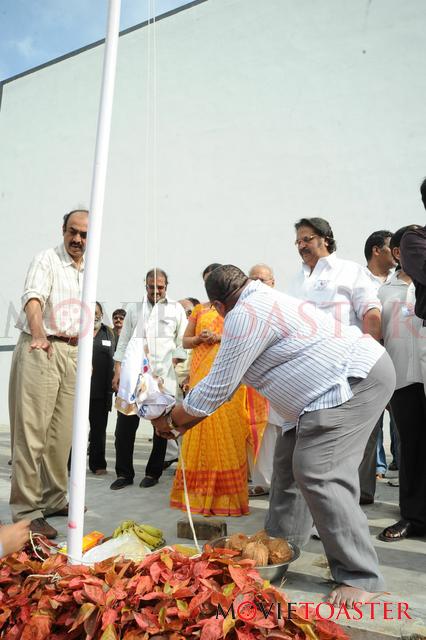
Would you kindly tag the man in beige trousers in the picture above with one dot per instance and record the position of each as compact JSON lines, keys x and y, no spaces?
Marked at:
{"x":42,"y":378}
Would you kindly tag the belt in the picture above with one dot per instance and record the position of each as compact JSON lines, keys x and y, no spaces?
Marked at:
{"x":71,"y":340}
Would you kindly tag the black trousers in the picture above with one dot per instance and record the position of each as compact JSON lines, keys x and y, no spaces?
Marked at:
{"x":98,"y":419}
{"x":125,"y":433}
{"x":409,"y":410}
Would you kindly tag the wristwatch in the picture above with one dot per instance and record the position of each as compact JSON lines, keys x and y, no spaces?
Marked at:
{"x":171,"y":424}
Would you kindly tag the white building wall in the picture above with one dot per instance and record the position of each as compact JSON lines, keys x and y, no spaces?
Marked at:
{"x":267,"y":112}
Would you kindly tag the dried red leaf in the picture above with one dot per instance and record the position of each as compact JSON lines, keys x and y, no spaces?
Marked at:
{"x":212,"y":629}
{"x":329,"y":630}
{"x":198,"y":600}
{"x":144,"y":584}
{"x":84,"y":612}
{"x":95,"y":594}
{"x":38,"y":628}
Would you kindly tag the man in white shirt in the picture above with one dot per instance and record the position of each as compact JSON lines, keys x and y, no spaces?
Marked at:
{"x":42,"y":378}
{"x":332,"y":387}
{"x":380,"y":267}
{"x":261,"y":467}
{"x":342,"y":289}
{"x":338,"y":287}
{"x":161,"y":323}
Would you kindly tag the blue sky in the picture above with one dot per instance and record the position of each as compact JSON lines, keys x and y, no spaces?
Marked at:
{"x":35,"y":31}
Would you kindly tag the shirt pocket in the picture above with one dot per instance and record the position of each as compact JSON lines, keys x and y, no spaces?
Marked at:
{"x":166,"y":327}
{"x":324,"y":293}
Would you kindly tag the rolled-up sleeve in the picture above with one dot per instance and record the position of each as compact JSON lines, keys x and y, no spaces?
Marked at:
{"x":364,"y":295}
{"x":244,"y":338}
{"x":38,"y":283}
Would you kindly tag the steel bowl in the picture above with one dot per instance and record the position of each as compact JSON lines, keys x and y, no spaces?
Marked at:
{"x":271,"y":572}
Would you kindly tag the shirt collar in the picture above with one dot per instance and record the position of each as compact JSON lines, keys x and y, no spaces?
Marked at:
{"x":327,"y":262}
{"x":66,"y":259}
{"x":253,"y":285}
{"x":150,"y":305}
{"x":394,"y":281}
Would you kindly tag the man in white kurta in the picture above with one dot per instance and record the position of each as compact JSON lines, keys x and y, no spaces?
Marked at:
{"x":153,"y":329}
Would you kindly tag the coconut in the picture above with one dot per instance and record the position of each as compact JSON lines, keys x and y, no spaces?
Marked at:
{"x":279,"y":551}
{"x":258,"y":552}
{"x":260,"y":536}
{"x":237,"y":541}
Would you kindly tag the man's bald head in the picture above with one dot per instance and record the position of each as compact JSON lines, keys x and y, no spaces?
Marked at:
{"x":263,"y":273}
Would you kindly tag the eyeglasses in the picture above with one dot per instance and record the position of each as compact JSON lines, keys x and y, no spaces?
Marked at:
{"x":305,"y":239}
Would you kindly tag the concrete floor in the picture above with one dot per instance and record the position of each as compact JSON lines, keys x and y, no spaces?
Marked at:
{"x":403,"y":564}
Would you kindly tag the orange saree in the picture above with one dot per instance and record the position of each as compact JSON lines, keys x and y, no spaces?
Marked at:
{"x":214,"y":451}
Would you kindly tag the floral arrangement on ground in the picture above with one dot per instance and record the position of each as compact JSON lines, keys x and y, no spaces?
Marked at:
{"x":166,"y":596}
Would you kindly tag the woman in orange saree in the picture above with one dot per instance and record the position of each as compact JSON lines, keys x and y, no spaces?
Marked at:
{"x":215,"y":451}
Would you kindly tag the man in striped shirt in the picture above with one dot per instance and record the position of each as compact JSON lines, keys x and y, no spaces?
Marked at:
{"x":42,"y":378}
{"x":331,"y":382}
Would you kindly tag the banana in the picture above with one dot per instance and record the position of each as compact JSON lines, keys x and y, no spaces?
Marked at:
{"x":123,"y":527}
{"x":157,"y":533}
{"x":151,"y":536}
{"x":151,"y":541}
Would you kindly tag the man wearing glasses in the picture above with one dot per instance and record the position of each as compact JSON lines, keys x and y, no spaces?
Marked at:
{"x":42,"y":378}
{"x":342,"y":289}
{"x":155,"y":327}
{"x":117,"y":322}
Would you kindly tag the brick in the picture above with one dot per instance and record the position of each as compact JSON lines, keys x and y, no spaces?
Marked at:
{"x":205,"y":529}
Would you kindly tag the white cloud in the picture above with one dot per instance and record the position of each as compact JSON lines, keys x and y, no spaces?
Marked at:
{"x":25,"y":46}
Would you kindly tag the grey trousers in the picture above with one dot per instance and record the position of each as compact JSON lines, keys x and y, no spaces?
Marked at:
{"x":367,"y":468}
{"x":315,"y":477}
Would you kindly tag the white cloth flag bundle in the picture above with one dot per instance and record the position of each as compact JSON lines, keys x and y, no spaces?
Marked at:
{"x":150,"y":397}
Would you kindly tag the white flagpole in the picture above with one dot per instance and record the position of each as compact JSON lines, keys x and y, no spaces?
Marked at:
{"x":84,"y":366}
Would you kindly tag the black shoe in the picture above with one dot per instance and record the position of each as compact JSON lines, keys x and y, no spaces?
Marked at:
{"x":399,"y":531}
{"x":169,"y":463}
{"x":365,"y":500}
{"x":120,"y":483}
{"x":148,"y":482}
{"x":393,"y":466}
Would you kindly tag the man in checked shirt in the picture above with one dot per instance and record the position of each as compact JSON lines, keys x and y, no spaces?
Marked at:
{"x":331,"y":385}
{"x":42,"y":378}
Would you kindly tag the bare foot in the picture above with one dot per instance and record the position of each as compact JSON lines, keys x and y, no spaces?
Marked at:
{"x":14,"y":536}
{"x":344,"y":594}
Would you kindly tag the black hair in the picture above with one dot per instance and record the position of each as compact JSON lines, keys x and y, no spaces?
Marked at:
{"x":375,"y":239}
{"x":224,"y":281}
{"x":193,"y":301}
{"x":397,"y":236}
{"x":67,"y":216}
{"x":395,"y":241}
{"x":98,"y":304}
{"x":154,"y":273}
{"x":321,"y":228}
{"x":122,"y":312}
{"x":211,"y":267}
{"x":423,"y":192}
